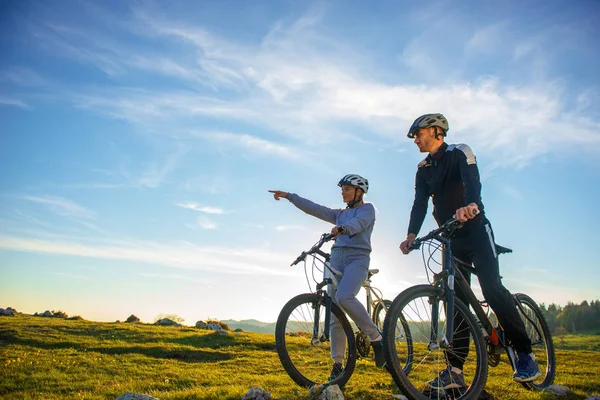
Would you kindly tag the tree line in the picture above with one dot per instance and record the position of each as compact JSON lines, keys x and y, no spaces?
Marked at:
{"x":573,"y":317}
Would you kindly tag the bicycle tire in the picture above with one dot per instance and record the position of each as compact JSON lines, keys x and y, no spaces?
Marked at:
{"x":380,"y":306}
{"x":309,"y":363}
{"x":379,"y":320}
{"x":410,"y":307}
{"x":543,"y":347}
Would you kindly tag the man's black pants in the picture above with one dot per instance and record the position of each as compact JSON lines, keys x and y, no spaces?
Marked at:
{"x":475,"y":244}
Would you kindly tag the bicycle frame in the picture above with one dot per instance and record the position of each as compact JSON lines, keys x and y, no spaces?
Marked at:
{"x":451,"y":277}
{"x":332,"y":277}
{"x":448,"y":278}
{"x":372,"y":292}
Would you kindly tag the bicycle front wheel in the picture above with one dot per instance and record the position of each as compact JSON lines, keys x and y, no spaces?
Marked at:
{"x":303,"y":347}
{"x":541,"y":340}
{"x":422,"y":309}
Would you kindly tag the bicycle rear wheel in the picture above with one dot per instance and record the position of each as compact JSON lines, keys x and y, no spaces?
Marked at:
{"x":305,"y":357}
{"x":416,"y":309}
{"x":541,"y":341}
{"x":379,"y":314}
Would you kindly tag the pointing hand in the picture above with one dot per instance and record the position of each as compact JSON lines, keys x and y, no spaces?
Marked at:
{"x":277,"y":194}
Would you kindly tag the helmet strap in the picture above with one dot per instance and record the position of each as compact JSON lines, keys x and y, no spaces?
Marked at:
{"x":439,"y":133}
{"x":355,"y":201}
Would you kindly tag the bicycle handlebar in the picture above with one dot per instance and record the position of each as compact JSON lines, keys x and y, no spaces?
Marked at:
{"x":326,"y":237}
{"x":446,"y":228}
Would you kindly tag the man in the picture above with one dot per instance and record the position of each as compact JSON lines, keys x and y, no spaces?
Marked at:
{"x":450,"y":176}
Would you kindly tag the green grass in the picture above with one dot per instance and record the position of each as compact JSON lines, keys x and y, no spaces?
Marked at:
{"x":51,"y":358}
{"x":586,"y":341}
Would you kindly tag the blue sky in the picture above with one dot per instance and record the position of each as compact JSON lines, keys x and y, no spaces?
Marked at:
{"x":139,"y":139}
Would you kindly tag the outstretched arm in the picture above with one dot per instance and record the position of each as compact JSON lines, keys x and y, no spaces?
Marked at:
{"x":316,"y":210}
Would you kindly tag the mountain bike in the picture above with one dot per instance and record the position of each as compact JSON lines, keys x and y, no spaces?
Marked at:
{"x":303,"y":326}
{"x":430,"y":311}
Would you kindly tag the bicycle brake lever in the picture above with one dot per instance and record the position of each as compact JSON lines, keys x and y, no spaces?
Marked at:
{"x":415,"y":245}
{"x":300,"y":258}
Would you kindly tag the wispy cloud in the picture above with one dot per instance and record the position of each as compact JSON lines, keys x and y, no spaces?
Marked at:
{"x":21,"y":77}
{"x":206,"y":223}
{"x":175,"y":255}
{"x":204,"y":209}
{"x":211,"y":184}
{"x":254,"y":144}
{"x":97,"y":185}
{"x":487,"y":39}
{"x":10,"y":101}
{"x":62,"y":206}
{"x":156,"y":173}
{"x":282,"y":228}
{"x":141,"y":175}
{"x":79,"y":45}
{"x":178,"y":277}
{"x":301,"y":84}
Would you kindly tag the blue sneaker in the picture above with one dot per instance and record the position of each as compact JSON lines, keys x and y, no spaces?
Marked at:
{"x":527,"y":369}
{"x":447,"y":379}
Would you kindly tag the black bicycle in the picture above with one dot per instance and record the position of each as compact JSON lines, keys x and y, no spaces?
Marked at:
{"x":302,"y":333}
{"x":430,"y":312}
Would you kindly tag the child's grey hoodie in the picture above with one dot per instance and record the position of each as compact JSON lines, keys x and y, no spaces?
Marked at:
{"x":358,"y":222}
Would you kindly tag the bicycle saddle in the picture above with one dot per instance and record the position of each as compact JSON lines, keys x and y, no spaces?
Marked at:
{"x":373,"y":272}
{"x":502,"y":249}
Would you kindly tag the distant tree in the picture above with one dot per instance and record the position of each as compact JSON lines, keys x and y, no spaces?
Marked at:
{"x":172,"y":317}
{"x":549,"y":314}
{"x":567,"y":316}
{"x":577,"y":317}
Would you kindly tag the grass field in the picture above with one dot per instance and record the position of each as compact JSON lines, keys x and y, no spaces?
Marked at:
{"x":52,"y":358}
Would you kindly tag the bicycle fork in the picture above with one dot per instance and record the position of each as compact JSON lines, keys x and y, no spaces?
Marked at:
{"x":330,"y":278}
{"x":447,"y":279}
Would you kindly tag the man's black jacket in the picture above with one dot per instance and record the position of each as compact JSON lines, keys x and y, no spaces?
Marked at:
{"x":451,"y":178}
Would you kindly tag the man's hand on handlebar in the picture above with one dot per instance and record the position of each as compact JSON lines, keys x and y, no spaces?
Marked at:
{"x":405,"y":246}
{"x":466,"y":213}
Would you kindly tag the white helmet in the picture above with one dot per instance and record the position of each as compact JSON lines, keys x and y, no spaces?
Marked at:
{"x":429,"y":120}
{"x":356,"y":181}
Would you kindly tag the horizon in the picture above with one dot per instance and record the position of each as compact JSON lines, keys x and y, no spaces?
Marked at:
{"x":225,"y":320}
{"x":139,"y":142}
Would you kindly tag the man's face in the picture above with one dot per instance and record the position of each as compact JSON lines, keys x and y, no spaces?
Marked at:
{"x":425,"y":140}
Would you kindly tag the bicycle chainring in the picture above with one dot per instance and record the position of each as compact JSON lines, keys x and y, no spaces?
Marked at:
{"x":362,"y":344}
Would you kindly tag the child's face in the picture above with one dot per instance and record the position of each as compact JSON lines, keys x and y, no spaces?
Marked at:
{"x":348,"y":193}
